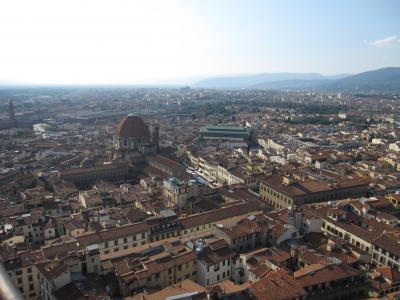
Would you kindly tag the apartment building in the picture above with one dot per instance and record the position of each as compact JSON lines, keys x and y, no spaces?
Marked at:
{"x":215,"y":263}
{"x":52,"y":275}
{"x":24,"y":274}
{"x":23,"y":266}
{"x":242,"y":236}
{"x":81,"y":176}
{"x":31,"y":225}
{"x":327,"y":281}
{"x":164,"y":228}
{"x":159,"y":266}
{"x":286,"y":191}
{"x":203,"y":223}
{"x":117,"y":238}
{"x":177,"y":193}
{"x":379,"y":240}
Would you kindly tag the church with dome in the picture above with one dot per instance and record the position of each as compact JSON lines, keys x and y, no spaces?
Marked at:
{"x":134,"y":139}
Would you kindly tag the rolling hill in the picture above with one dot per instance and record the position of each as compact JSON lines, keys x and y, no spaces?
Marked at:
{"x":381,"y":80}
{"x":252,"y":80}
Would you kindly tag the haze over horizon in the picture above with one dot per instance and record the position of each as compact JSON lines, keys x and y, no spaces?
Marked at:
{"x":169,"y":42}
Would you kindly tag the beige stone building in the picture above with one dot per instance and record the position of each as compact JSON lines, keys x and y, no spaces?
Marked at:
{"x":177,"y":192}
{"x":159,"y":266}
{"x":116,"y":239}
{"x":286,"y":191}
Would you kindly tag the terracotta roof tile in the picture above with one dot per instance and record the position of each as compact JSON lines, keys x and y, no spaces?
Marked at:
{"x":132,"y":127}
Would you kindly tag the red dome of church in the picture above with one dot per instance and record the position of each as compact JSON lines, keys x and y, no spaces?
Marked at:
{"x":132,"y":127}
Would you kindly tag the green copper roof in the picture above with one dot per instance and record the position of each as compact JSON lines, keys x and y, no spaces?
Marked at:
{"x":224,"y":130}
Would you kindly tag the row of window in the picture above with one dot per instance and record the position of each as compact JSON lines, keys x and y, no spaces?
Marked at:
{"x":396,"y":289}
{"x":346,"y":236}
{"x":386,"y":261}
{"x":164,"y":236}
{"x":244,"y":238}
{"x":320,"y":198}
{"x":274,"y":204}
{"x":125,"y":240}
{"x":197,"y":228}
{"x":387,"y":253}
{"x":116,"y":249}
{"x":157,"y":275}
{"x":31,"y":288}
{"x":19,"y":279}
{"x":164,"y":226}
{"x":19,"y":272}
{"x":224,"y":275}
{"x":223,"y":263}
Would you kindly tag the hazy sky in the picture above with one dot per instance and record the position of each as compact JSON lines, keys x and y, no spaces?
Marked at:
{"x":118,"y":41}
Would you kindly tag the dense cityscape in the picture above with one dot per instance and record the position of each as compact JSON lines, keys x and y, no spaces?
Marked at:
{"x":150,"y":193}
{"x":199,"y":150}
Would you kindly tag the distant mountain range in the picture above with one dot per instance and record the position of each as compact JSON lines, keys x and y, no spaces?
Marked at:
{"x":381,"y":80}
